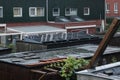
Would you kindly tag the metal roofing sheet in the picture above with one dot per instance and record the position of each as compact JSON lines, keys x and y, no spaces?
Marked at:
{"x":36,"y":29}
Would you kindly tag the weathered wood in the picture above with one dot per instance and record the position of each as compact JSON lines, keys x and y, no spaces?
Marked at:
{"x":103,"y":44}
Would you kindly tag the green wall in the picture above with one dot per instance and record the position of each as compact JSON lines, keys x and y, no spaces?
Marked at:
{"x":96,"y":9}
{"x":25,"y":4}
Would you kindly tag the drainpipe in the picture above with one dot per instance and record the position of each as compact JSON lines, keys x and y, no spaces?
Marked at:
{"x":104,"y":20}
{"x":47,"y":11}
{"x":105,"y":15}
{"x":102,"y":26}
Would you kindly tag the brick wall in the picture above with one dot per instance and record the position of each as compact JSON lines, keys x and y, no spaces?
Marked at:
{"x":111,"y":13}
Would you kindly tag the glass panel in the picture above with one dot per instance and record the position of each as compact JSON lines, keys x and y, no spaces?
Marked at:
{"x":36,"y":11}
{"x":56,"y":12}
{"x":67,"y":11}
{"x":32,"y":11}
{"x":107,"y":7}
{"x":40,"y":11}
{"x":86,"y":11}
{"x":1,"y":12}
{"x":73,"y":11}
{"x":116,"y":7}
{"x":17,"y":12}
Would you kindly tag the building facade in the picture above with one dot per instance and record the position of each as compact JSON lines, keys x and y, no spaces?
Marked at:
{"x":87,"y":14}
{"x":112,"y":8}
{"x":48,"y":10}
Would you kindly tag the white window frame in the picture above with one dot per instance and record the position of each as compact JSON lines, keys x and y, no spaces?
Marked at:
{"x":1,"y":16}
{"x":86,"y":11}
{"x":19,"y":13}
{"x":56,"y":13}
{"x":35,"y":13}
{"x":107,"y":7}
{"x":30,"y":13}
{"x":71,"y":12}
{"x":115,"y":7}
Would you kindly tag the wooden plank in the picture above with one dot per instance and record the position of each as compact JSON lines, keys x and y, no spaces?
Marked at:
{"x":103,"y":45}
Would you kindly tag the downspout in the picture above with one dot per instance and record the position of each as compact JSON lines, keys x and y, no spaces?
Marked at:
{"x":105,"y":16}
{"x":102,"y":24}
{"x":47,"y":11}
{"x":103,"y":21}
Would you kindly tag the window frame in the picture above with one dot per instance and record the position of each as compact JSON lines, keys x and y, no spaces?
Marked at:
{"x":35,"y":12}
{"x":107,"y":7}
{"x":1,"y":16}
{"x":56,"y":13}
{"x":86,"y":12}
{"x":116,"y":7}
{"x":20,"y":9}
{"x":71,"y":12}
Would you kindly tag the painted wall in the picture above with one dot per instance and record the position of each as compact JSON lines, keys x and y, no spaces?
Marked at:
{"x":96,"y":9}
{"x":25,"y":4}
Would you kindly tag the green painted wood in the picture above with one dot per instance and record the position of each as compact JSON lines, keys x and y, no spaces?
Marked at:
{"x":96,"y":9}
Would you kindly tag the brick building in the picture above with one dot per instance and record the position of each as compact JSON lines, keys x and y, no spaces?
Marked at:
{"x":112,"y":8}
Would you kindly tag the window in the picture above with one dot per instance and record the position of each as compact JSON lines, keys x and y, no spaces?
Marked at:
{"x":86,"y":11}
{"x":56,"y":12}
{"x":70,"y":11}
{"x":36,"y":11}
{"x":107,"y":7}
{"x":116,"y":7}
{"x":17,"y":12}
{"x":1,"y":12}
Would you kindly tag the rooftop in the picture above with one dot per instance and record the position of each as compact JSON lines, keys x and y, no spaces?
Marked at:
{"x":36,"y":29}
{"x":35,"y":57}
{"x":104,"y":72}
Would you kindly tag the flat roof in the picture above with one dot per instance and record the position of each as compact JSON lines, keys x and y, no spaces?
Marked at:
{"x":36,"y":29}
{"x":33,"y":57}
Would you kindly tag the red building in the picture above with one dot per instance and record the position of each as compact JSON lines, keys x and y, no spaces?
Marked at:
{"x":112,"y":8}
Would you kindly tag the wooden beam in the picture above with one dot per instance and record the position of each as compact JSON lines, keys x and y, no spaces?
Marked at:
{"x":102,"y":46}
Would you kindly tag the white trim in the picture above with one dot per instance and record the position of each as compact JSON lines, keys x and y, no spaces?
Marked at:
{"x":75,"y":27}
{"x":1,"y":25}
{"x":86,"y":12}
{"x":46,"y":31}
{"x":6,"y":34}
{"x":1,"y":16}
{"x":72,"y":11}
{"x":32,"y":15}
{"x":115,"y":6}
{"x":35,"y":12}
{"x":56,"y":13}
{"x":107,"y":7}
{"x":18,"y":15}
